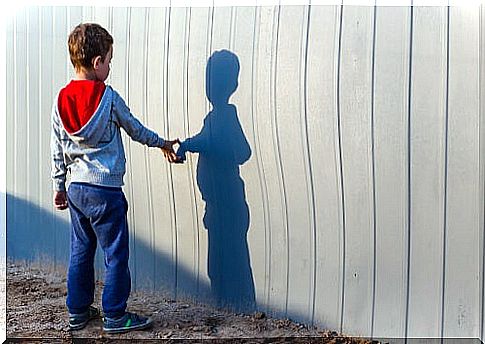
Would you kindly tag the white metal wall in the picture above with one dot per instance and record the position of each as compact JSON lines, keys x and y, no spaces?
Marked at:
{"x":366,"y":182}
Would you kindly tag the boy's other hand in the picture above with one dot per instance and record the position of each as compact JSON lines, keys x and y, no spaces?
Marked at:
{"x":169,"y":153}
{"x":60,"y":200}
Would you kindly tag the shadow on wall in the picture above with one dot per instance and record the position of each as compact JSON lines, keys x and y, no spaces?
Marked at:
{"x":222,"y":148}
{"x":36,"y":234}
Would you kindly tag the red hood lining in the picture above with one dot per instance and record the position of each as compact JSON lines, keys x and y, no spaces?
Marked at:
{"x":78,"y":102}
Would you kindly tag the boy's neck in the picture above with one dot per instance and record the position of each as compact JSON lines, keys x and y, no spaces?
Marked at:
{"x":85,"y":75}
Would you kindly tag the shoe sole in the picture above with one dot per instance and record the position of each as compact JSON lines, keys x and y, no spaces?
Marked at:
{"x":81,"y":325}
{"x":84,"y":324}
{"x":131,"y":328}
{"x":77,"y":327}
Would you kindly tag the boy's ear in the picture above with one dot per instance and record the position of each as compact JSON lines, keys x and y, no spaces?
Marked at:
{"x":96,"y":62}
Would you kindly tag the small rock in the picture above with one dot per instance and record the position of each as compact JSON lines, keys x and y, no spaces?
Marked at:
{"x":259,"y":315}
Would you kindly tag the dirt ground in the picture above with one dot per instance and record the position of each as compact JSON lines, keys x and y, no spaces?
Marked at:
{"x":36,"y":309}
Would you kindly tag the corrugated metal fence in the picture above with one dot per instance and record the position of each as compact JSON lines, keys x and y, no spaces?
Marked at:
{"x":365,"y":178}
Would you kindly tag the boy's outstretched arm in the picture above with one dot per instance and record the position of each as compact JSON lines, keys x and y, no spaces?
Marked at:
{"x":138,"y":132}
{"x":133,"y":127}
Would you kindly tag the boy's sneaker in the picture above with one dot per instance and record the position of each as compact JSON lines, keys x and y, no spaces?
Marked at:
{"x":79,"y":321}
{"x":128,"y":322}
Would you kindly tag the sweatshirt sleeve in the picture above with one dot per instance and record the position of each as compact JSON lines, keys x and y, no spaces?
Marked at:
{"x":59,"y":171}
{"x":133,"y":127}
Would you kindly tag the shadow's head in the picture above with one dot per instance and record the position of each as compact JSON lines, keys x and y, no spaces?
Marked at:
{"x":222,"y":74}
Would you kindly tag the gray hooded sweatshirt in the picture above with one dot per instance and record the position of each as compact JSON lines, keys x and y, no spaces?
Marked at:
{"x":86,"y":136}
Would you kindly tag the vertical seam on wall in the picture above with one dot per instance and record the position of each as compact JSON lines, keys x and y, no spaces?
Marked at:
{"x":210,"y":30}
{"x":208,"y":80}
{"x":445,"y":198}
{"x":310,"y":184}
{"x":259,"y":162}
{"x":190,"y":174}
{"x":208,"y":48}
{"x":27,"y":103}
{"x":278,"y":152}
{"x":130,"y":173}
{"x":213,"y":186}
{"x":15,"y":103}
{"x":110,"y":25}
{"x":283,"y":184}
{"x":53,"y":215}
{"x":257,"y":150}
{"x":15,"y":131}
{"x":68,"y":31}
{"x":342,"y":195}
{"x":148,"y":174}
{"x":195,"y":214}
{"x":374,"y":206}
{"x":232,"y":28}
{"x":66,"y":74}
{"x":40,"y":180}
{"x":110,"y":19}
{"x":167,"y":134}
{"x":406,"y":330}
{"x":272,"y":90}
{"x":481,"y":55}
{"x":40,"y":119}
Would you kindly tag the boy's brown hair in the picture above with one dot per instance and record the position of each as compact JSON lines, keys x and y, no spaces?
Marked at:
{"x":86,"y":42}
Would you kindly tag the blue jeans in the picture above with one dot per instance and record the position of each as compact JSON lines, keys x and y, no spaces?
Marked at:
{"x":98,"y":214}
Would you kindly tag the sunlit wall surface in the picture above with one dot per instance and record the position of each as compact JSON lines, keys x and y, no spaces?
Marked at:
{"x":344,"y":187}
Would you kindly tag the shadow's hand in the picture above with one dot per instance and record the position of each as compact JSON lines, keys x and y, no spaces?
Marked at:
{"x":60,"y":200}
{"x":169,"y":153}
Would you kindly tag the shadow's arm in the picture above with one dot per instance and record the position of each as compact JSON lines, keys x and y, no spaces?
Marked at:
{"x":195,"y":144}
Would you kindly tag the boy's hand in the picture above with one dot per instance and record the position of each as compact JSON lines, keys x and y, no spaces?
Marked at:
{"x":60,"y":200}
{"x":168,"y":151}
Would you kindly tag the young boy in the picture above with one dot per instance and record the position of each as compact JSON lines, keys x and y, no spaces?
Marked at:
{"x":86,"y":141}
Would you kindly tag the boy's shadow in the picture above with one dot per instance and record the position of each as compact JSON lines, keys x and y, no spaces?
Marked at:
{"x":222,"y":147}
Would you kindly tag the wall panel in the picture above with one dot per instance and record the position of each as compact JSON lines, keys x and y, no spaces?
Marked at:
{"x":187,"y":248}
{"x":292,"y":163}
{"x":427,"y":135}
{"x":323,"y":144}
{"x":356,"y":139}
{"x":140,"y":204}
{"x":265,"y":118}
{"x":391,"y":84}
{"x":197,"y":108}
{"x":163,"y":234}
{"x":244,"y":47}
{"x":47,"y":97}
{"x":462,"y":257}
{"x":481,"y":247}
